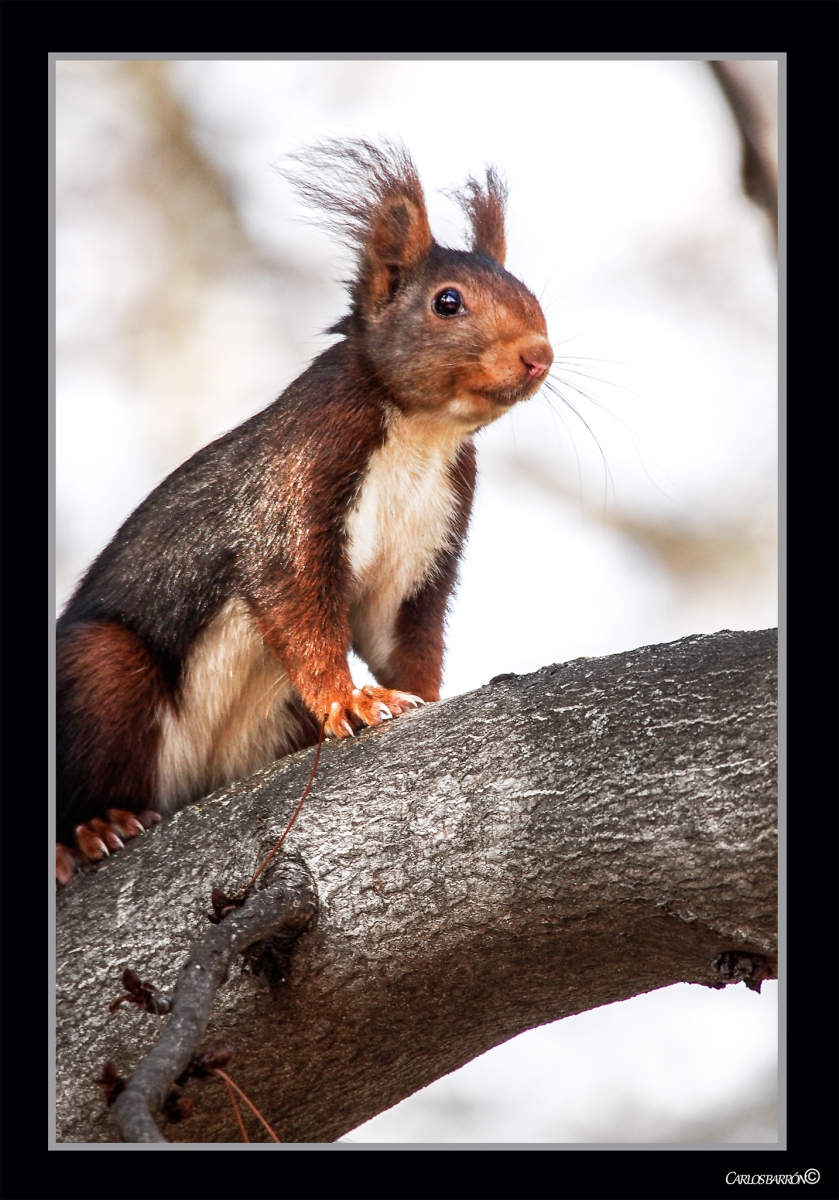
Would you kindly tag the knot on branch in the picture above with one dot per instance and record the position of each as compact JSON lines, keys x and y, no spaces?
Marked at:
{"x":752,"y":969}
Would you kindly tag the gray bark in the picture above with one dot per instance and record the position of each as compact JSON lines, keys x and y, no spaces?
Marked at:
{"x":542,"y":846}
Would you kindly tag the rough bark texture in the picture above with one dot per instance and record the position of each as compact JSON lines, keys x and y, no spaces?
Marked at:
{"x":542,"y":846}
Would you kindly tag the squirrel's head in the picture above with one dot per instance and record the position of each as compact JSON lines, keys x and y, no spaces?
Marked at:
{"x":446,"y":331}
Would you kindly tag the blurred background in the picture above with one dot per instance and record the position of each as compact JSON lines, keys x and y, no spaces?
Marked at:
{"x":636,"y":507}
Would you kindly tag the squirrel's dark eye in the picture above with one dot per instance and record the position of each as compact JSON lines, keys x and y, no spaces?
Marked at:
{"x":449,"y":303}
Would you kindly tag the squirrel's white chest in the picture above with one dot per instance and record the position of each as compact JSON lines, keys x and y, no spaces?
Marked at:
{"x":401,"y":520}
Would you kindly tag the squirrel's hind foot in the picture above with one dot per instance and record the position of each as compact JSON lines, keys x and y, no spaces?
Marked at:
{"x":96,"y":839}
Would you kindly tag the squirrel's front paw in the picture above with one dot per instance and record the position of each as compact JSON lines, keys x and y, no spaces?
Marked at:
{"x":367,"y":706}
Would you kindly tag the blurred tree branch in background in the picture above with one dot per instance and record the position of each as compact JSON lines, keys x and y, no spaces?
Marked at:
{"x":700,"y":556}
{"x":752,"y":94}
{"x":173,"y":322}
{"x":204,"y":258}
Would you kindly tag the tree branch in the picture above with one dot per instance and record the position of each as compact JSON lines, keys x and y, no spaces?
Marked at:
{"x":547,"y":844}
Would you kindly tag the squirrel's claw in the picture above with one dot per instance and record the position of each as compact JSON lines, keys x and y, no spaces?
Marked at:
{"x":89,"y":842}
{"x":396,"y":702}
{"x":124,"y":823}
{"x":105,"y":831}
{"x":337,"y":725}
{"x":96,"y":839}
{"x":367,"y":706}
{"x":66,"y":864}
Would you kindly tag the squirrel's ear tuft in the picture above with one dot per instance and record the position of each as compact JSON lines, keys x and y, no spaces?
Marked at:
{"x":371,"y":196}
{"x":485,"y":207}
{"x":400,"y":238}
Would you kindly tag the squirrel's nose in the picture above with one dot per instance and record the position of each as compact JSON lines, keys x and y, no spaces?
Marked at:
{"x":534,"y":368}
{"x":537,"y":357}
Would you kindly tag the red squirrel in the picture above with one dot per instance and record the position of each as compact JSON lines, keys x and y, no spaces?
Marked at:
{"x":211,"y":635}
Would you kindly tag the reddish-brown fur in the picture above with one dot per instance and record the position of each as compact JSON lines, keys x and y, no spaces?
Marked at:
{"x":106,"y":674}
{"x":303,"y":614}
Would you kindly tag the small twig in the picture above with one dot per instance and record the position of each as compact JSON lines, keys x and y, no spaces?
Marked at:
{"x":229,"y":1083}
{"x":306,"y":791}
{"x":286,"y":905}
{"x":145,"y":995}
{"x":110,"y":1082}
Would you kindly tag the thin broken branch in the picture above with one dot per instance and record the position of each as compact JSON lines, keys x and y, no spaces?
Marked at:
{"x":282,"y":909}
